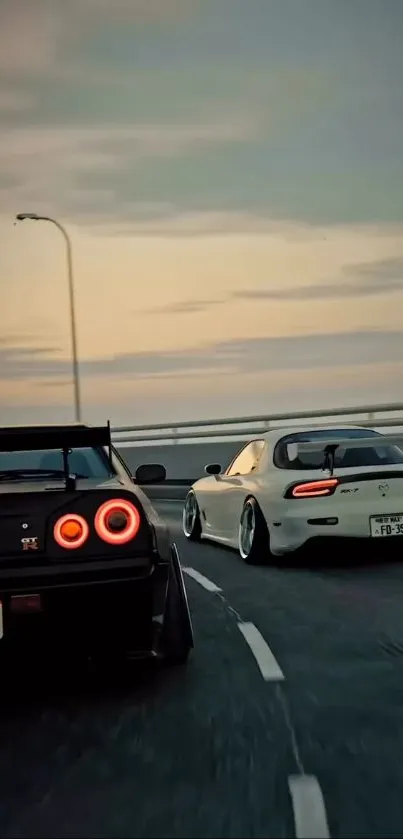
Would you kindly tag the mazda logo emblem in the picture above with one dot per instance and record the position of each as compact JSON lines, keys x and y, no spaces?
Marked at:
{"x":383,"y":488}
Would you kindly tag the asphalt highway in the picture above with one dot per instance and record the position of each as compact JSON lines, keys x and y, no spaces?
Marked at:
{"x":287,"y":721}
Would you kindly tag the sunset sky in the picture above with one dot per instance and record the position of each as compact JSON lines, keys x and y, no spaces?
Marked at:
{"x":230,"y":173}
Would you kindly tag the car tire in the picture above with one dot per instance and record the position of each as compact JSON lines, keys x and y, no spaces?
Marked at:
{"x":191,"y":521}
{"x":177,"y":632}
{"x":253,"y":535}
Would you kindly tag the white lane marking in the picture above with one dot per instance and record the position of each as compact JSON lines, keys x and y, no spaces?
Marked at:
{"x":306,"y":795}
{"x":309,"y":807}
{"x":1,"y":619}
{"x":267,"y":664}
{"x":203,"y":581}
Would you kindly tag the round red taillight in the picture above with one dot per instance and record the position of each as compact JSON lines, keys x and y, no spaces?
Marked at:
{"x":117,"y":521}
{"x":71,"y":531}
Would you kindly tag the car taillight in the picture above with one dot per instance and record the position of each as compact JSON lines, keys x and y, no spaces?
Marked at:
{"x":314,"y":489}
{"x":71,"y":531}
{"x":117,"y":521}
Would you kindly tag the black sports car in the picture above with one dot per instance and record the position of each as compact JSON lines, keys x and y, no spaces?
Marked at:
{"x":86,"y":564}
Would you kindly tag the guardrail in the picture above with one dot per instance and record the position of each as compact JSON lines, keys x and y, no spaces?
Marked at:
{"x":239,"y":427}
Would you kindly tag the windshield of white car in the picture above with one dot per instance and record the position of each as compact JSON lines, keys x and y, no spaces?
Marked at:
{"x":382,"y":454}
{"x":47,"y":464}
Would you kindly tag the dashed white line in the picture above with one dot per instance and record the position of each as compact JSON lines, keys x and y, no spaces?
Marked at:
{"x":202,"y":580}
{"x":306,"y":795}
{"x":309,"y":807}
{"x":268,"y":666}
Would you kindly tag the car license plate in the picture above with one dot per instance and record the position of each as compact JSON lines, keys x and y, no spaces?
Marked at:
{"x":382,"y":526}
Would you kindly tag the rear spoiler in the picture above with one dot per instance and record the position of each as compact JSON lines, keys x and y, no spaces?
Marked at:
{"x":329,"y":446}
{"x":34,"y":438}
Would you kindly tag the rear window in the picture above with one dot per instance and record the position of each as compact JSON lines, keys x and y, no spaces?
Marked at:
{"x":382,"y":454}
{"x":88,"y":462}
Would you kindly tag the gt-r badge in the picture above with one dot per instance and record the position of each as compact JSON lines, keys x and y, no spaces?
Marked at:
{"x":383,"y":489}
{"x":30,"y":543}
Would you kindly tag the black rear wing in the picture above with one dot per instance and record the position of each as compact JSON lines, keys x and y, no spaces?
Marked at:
{"x":371,"y":442}
{"x":329,"y":446}
{"x":64,"y":437}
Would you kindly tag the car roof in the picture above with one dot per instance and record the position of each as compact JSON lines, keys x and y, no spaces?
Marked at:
{"x":272,"y":437}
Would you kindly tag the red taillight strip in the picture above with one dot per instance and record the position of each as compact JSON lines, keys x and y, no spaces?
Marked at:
{"x":314,"y":489}
{"x":117,"y":505}
{"x":70,"y":544}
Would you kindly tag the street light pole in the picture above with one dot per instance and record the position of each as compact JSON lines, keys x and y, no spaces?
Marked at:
{"x":70,"y":279}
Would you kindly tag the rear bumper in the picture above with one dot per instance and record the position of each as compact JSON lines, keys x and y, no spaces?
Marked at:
{"x":90,"y":611}
{"x":341,"y":531}
{"x":349,"y":546}
{"x":14,"y":578}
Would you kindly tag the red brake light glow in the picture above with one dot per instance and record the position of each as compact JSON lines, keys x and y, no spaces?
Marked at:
{"x":71,"y":531}
{"x":314,"y":489}
{"x":117,"y":521}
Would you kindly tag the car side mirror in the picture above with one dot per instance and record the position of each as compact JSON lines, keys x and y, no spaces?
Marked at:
{"x":212,"y":469}
{"x":150,"y":473}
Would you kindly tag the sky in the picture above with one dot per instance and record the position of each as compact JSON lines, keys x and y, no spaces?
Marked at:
{"x":230,"y":175}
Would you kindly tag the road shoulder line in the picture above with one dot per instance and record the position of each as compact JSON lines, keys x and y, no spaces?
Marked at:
{"x":309,"y":807}
{"x":268,"y":665}
{"x":202,"y":580}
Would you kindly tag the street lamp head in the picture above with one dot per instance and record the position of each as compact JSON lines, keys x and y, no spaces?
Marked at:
{"x":24,"y":216}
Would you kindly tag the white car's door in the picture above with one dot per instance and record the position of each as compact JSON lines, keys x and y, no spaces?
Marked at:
{"x":232,"y":487}
{"x":208,"y":493}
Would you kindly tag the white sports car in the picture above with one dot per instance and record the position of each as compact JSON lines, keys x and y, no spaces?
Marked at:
{"x":291,"y":488}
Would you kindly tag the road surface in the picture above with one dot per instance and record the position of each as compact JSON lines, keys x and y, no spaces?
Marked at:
{"x":287,"y":722}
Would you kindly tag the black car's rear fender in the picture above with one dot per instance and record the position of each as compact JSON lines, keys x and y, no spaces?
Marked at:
{"x":176,"y":578}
